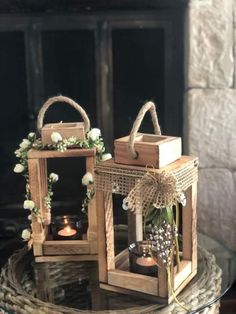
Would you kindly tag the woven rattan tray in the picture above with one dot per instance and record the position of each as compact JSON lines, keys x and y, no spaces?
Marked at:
{"x":18,"y":289}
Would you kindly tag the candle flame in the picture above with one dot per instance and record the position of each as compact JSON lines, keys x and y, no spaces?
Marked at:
{"x":65,"y":220}
{"x":68,"y":229}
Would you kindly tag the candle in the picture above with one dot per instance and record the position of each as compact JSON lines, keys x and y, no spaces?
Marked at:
{"x":67,"y":232}
{"x":141,"y":260}
{"x":66,"y":228}
{"x":145,"y":261}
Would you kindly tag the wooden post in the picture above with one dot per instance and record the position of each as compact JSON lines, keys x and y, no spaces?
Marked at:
{"x":92,"y":215}
{"x":102,"y":254}
{"x":35,"y":181}
{"x":109,"y":231}
{"x":189,"y":226}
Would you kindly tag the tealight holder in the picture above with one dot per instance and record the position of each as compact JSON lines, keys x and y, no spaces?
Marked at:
{"x":66,"y":228}
{"x":141,"y":260}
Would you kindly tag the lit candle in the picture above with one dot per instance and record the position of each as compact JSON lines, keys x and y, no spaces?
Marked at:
{"x":67,"y":232}
{"x":141,"y":260}
{"x":146,"y":261}
{"x":66,"y":228}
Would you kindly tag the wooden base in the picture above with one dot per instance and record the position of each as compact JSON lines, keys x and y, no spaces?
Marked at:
{"x":66,"y":258}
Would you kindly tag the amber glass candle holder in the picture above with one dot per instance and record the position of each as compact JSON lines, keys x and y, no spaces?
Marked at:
{"x":67,"y":227}
{"x":141,"y":260}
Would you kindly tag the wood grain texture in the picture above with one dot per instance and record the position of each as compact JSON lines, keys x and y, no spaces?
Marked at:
{"x":92,"y":214}
{"x":190,"y":226}
{"x":66,"y":247}
{"x":66,"y":258}
{"x":109,"y":231}
{"x":77,"y":152}
{"x":36,"y":184}
{"x":67,"y":130}
{"x":155,"y":150}
{"x":101,"y":234}
{"x":137,"y":282}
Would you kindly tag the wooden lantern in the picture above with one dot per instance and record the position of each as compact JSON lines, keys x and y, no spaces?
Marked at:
{"x":114,"y":270}
{"x":45,"y":248}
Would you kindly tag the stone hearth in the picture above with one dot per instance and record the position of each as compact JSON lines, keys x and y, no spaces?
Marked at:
{"x":210,"y":112}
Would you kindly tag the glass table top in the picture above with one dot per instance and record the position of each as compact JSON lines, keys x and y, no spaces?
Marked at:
{"x":72,"y":287}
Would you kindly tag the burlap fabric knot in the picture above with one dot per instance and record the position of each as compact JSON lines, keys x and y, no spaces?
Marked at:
{"x":153,"y":189}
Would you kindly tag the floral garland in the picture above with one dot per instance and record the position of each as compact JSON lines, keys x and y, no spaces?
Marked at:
{"x":93,"y":140}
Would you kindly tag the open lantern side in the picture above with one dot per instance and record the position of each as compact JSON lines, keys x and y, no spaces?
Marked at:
{"x":114,"y":273}
{"x":44,"y":248}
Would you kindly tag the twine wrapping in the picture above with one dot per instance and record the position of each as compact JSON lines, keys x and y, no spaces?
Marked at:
{"x":67,"y":100}
{"x":149,"y":106}
{"x":153,"y":189}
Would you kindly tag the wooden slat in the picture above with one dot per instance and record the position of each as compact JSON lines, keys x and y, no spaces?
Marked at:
{"x":35,"y":181}
{"x":137,"y":282}
{"x":184,"y":272}
{"x":109,"y":230}
{"x":78,"y":152}
{"x":177,"y":165}
{"x":101,"y":234}
{"x":122,"y":260}
{"x":67,"y":247}
{"x":163,"y":281}
{"x":92,"y":214}
{"x":189,"y":226}
{"x":66,"y":258}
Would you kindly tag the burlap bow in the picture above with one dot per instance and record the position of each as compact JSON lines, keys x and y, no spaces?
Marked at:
{"x":153,"y":189}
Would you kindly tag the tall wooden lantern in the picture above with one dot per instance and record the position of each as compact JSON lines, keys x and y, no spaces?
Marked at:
{"x":67,"y":246}
{"x":154,"y":179}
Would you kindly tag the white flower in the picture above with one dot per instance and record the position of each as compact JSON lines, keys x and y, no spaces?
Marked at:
{"x":53,"y":177}
{"x":25,"y":143}
{"x":26,"y":234}
{"x":106,"y":156}
{"x":30,"y":217}
{"x":28,"y":204}
{"x":125,"y":204}
{"x":19,"y":168}
{"x":56,"y":137}
{"x":94,"y":134}
{"x":31,"y":135}
{"x":87,"y":179}
{"x":182,"y":199}
{"x":18,"y":153}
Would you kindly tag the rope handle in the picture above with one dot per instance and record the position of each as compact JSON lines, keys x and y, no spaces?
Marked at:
{"x":148,"y":106}
{"x":67,"y":100}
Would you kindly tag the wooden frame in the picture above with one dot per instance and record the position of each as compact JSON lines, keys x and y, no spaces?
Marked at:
{"x":114,"y":271}
{"x":44,"y":248}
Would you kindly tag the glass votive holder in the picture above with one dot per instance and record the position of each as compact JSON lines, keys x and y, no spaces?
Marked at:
{"x":67,"y":227}
{"x":141,"y":260}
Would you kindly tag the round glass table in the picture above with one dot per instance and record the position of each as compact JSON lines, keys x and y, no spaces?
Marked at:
{"x":72,"y":287}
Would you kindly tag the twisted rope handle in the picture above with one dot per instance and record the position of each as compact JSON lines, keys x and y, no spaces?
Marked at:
{"x":67,"y":100}
{"x":149,"y":106}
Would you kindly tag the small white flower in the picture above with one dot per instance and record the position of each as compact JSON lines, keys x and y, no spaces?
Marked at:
{"x":94,"y":134}
{"x":53,"y":177}
{"x":25,"y":143}
{"x":87,"y":179}
{"x":31,"y":135}
{"x":182,"y":199}
{"x":106,"y":156}
{"x":26,"y":234}
{"x":18,"y":153}
{"x":28,"y":204}
{"x":124,"y":204}
{"x":56,"y":137}
{"x":19,"y":168}
{"x":30,"y":217}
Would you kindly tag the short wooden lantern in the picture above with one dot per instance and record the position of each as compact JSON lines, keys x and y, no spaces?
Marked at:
{"x":45,"y":248}
{"x":114,"y":270}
